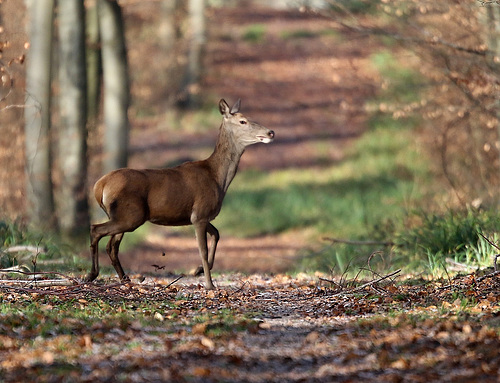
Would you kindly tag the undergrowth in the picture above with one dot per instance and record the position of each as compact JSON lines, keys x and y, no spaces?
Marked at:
{"x":33,"y":250}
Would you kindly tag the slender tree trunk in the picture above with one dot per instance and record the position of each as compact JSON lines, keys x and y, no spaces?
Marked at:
{"x":190,"y":93}
{"x":167,"y":27}
{"x":73,"y":206}
{"x":493,"y":39}
{"x":93,"y":54}
{"x":170,"y":32}
{"x":116,"y":85}
{"x":37,"y":114}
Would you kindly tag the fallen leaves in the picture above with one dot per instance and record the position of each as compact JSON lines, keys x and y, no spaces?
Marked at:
{"x":254,"y":328}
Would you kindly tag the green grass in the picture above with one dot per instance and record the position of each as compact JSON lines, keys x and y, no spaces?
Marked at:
{"x":354,"y":6}
{"x":299,"y":34}
{"x":255,"y":33}
{"x":436,"y":237}
{"x":49,"y":246}
{"x":400,"y":84}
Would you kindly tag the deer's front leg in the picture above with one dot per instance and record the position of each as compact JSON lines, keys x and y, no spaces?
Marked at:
{"x":214,"y":233}
{"x":201,"y":236}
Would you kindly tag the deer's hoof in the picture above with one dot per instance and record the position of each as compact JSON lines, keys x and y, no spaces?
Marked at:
{"x":90,"y":277}
{"x":125,"y":279}
{"x":199,"y":271}
{"x":210,"y":286}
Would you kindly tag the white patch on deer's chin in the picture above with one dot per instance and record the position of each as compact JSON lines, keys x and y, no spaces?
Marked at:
{"x":263,"y":139}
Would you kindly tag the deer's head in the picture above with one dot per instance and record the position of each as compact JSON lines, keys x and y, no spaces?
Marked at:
{"x":243,"y":130}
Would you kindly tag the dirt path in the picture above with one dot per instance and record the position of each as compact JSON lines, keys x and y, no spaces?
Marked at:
{"x":299,"y":77}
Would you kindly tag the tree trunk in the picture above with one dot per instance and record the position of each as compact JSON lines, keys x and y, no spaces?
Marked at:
{"x":493,"y":39}
{"x":93,"y":54}
{"x":172,"y":45}
{"x":73,"y":206}
{"x":37,"y":114}
{"x":116,"y":85}
{"x":190,"y":92}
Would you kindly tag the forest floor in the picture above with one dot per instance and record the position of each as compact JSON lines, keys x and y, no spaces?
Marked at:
{"x":253,"y":329}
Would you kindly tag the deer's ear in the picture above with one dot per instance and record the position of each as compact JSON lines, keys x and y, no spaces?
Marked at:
{"x":236,"y":107}
{"x":224,"y":108}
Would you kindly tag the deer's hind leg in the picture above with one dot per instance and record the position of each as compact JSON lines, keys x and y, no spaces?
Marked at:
{"x":96,"y":233}
{"x":112,"y":249}
{"x":121,"y":221}
{"x":214,"y":233}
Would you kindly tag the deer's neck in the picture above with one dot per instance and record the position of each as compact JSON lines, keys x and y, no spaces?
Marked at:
{"x":225,"y":158}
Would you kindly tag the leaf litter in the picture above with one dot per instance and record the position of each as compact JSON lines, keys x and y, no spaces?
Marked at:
{"x":255,"y":328}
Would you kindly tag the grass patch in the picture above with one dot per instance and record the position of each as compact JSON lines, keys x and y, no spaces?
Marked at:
{"x":354,"y":6}
{"x":255,"y":33}
{"x":400,"y":84}
{"x":433,"y":238}
{"x":299,"y":34}
{"x":40,"y":249}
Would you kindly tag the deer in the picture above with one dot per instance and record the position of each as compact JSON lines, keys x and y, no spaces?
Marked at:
{"x":188,"y":194}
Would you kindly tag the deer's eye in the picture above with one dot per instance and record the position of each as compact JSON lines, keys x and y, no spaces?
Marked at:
{"x":243,"y":122}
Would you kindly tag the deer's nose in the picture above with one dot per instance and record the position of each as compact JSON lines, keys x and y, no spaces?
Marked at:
{"x":271,"y":134}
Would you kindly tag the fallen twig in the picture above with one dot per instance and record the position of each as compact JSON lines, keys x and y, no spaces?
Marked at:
{"x":490,"y":275}
{"x":29,"y":248}
{"x":175,"y":280}
{"x":13,"y":269}
{"x":367,"y":284}
{"x":330,"y":281}
{"x":457,"y":266}
{"x":495,"y":246}
{"x":34,"y":275}
{"x":38,"y":283}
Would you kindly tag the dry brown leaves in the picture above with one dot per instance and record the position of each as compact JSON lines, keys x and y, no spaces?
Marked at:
{"x":253,"y":328}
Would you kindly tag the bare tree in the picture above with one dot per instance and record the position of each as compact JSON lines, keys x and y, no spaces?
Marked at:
{"x":172,"y":45}
{"x":116,"y":84}
{"x":37,"y":113}
{"x":492,"y":22}
{"x":196,"y":40}
{"x":72,"y":205}
{"x":93,"y":54}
